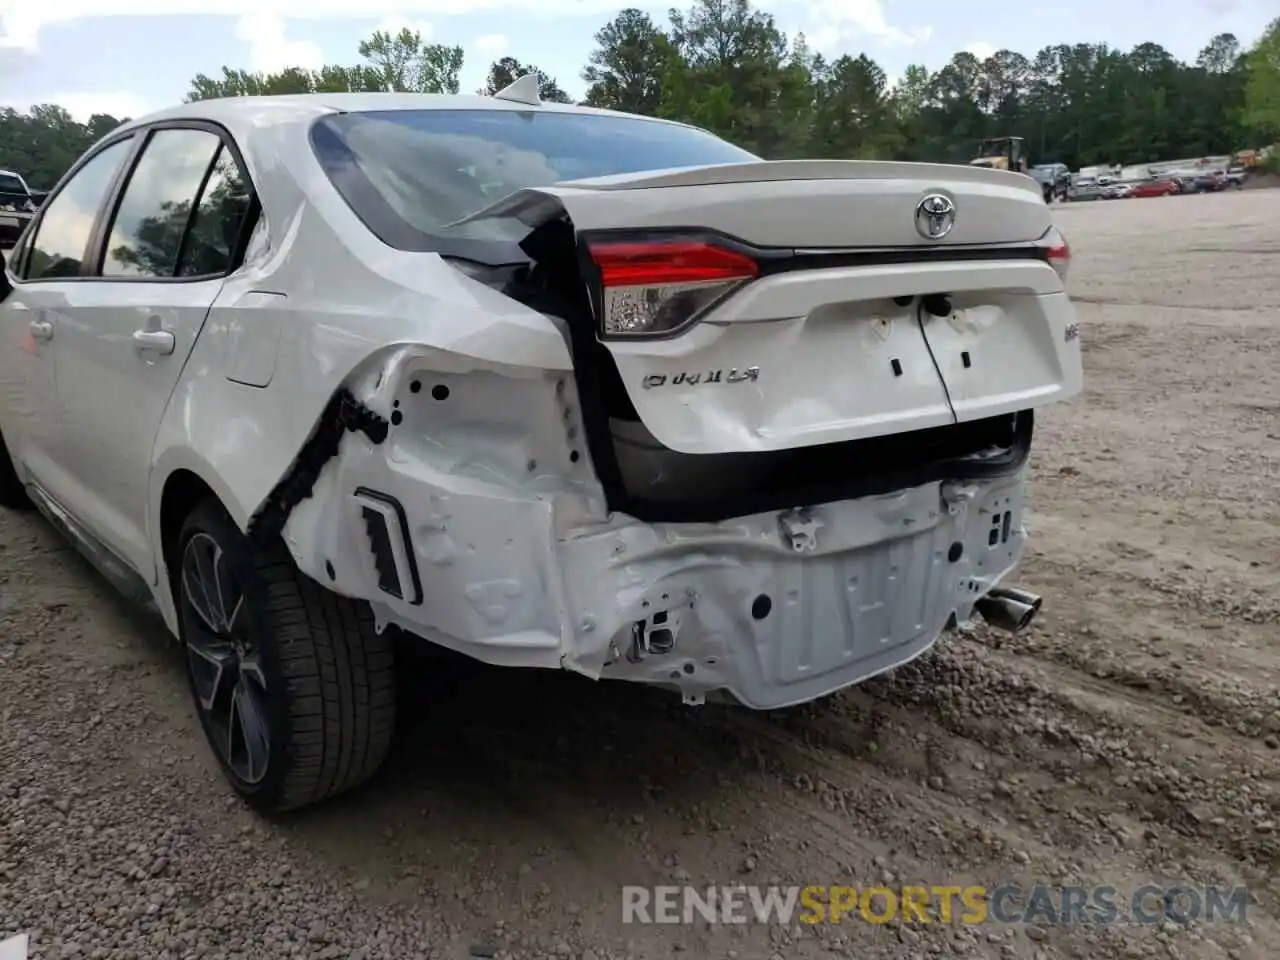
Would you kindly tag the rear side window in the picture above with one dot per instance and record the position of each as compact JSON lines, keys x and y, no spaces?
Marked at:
{"x":63,"y":232}
{"x":11,"y":184}
{"x":411,"y":174}
{"x":146,"y":234}
{"x":210,"y":246}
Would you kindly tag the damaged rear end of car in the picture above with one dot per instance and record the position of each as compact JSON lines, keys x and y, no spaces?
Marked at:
{"x":791,"y":449}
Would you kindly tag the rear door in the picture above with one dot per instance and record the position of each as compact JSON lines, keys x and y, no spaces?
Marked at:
{"x":160,"y":259}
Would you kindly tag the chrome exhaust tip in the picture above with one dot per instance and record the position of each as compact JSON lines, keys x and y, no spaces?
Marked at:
{"x":1009,"y":609}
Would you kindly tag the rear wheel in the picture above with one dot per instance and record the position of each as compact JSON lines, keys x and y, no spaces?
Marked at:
{"x":294,"y":688}
{"x":12,"y":492}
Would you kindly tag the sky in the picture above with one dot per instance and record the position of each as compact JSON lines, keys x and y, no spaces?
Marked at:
{"x":127,"y":57}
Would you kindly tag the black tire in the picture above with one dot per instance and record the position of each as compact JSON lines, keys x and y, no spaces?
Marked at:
{"x":12,"y":493}
{"x":315,"y":680}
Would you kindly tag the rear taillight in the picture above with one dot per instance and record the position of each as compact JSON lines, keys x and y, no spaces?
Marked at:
{"x":655,"y":288}
{"x":1057,"y":251}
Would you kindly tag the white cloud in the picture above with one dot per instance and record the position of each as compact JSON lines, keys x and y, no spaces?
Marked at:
{"x":19,"y":26}
{"x":840,"y":21}
{"x":22,"y":20}
{"x":393,"y":26}
{"x":117,"y":103}
{"x":824,"y":39}
{"x":269,"y":50}
{"x":492,"y":44}
{"x":980,"y":49}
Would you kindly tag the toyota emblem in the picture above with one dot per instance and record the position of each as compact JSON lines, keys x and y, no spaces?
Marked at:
{"x":935,"y":216}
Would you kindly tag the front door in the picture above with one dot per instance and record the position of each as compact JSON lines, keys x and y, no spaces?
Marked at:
{"x":127,"y":334}
{"x":45,"y":273}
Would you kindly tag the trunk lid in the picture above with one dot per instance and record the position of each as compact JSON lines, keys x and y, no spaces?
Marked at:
{"x":831,"y":340}
{"x":837,"y":204}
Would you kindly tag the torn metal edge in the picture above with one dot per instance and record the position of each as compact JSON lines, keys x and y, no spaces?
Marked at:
{"x":343,"y":413}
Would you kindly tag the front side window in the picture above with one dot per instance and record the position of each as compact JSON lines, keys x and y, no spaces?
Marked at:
{"x":410,"y":175}
{"x":63,"y":231}
{"x":18,"y":254}
{"x":146,"y":235}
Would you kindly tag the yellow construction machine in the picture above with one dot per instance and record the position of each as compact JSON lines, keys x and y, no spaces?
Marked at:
{"x":1001,"y":153}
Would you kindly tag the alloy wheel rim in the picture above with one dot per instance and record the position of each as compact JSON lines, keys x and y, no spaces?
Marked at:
{"x":226,"y":672}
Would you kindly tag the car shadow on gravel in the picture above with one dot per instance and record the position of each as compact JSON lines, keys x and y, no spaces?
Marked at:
{"x":539,"y":761}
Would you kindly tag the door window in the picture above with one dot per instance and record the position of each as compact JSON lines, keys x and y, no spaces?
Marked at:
{"x":146,"y":235}
{"x":210,"y":246}
{"x":16,"y":255}
{"x":63,"y":231}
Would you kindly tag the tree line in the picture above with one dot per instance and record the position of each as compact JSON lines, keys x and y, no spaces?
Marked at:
{"x":724,"y":65}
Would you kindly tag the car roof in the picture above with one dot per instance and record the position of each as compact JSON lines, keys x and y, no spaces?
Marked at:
{"x":267,"y":110}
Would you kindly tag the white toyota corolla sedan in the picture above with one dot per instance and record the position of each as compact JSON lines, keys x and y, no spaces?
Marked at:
{"x":546,"y":385}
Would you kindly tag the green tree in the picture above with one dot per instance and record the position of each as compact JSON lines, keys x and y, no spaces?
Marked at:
{"x":504,"y":72}
{"x":328,"y":79}
{"x":724,"y":65}
{"x":401,"y":63}
{"x":408,"y":64}
{"x":735,"y":74}
{"x":1262,"y":91}
{"x":853,"y":116}
{"x":43,"y":143}
{"x":626,"y":68}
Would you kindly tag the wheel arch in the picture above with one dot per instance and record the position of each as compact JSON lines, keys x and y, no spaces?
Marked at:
{"x":181,"y":481}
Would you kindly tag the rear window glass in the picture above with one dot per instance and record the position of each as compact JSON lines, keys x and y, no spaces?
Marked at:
{"x":410,"y":175}
{"x":11,"y":184}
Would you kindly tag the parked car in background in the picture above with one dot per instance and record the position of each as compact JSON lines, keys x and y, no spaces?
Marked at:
{"x":1116,"y":191}
{"x":1236,"y":177}
{"x":1053,"y":178}
{"x":18,"y":203}
{"x":1158,"y":187}
{"x":1197,"y":183}
{"x":1084,"y":189}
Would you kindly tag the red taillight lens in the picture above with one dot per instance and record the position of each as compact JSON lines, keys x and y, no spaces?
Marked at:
{"x":1057,"y":251}
{"x":654,"y":288}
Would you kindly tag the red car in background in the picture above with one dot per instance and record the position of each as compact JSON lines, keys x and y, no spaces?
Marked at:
{"x":1155,"y":188}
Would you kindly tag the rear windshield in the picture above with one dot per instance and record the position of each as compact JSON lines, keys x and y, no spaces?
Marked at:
{"x":410,"y":175}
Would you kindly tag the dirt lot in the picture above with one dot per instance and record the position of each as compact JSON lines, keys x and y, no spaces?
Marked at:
{"x":1129,"y":738}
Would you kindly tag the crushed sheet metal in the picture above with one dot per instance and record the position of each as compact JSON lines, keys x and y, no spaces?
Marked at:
{"x":343,"y":412}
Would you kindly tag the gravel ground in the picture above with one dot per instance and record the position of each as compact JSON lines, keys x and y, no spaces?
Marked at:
{"x":1129,"y":737}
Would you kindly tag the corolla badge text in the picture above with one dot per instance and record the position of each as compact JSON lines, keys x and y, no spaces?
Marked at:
{"x":700,"y":378}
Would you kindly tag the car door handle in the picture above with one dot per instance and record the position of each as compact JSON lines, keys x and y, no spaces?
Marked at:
{"x":161,"y":341}
{"x":42,"y":329}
